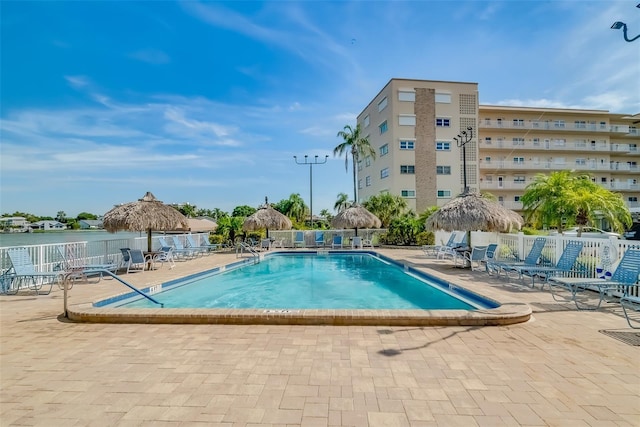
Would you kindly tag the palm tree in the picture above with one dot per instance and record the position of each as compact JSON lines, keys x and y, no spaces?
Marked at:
{"x":386,"y":207}
{"x":342,"y":202}
{"x":326,"y":214}
{"x":358,"y":146}
{"x":296,"y":207}
{"x":563,"y":197}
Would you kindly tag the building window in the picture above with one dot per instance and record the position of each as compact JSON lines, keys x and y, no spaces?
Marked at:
{"x":516,"y":198}
{"x":487,"y":159}
{"x":499,"y":122}
{"x":367,"y":161}
{"x":382,"y":104}
{"x":443,"y":146}
{"x":536,"y":142}
{"x":558,"y":124}
{"x":408,"y":193}
{"x":487,"y":140}
{"x":367,"y":181}
{"x":407,"y":169}
{"x":518,"y":141}
{"x":443,"y":98}
{"x":632,"y":199}
{"x":406,"y":120}
{"x":384,"y":150}
{"x":581,"y":162}
{"x":518,"y":123}
{"x":444,"y":193}
{"x":442,"y":122}
{"x":359,"y":165}
{"x":488,"y":178}
{"x":407,"y":145}
{"x":383,"y":127}
{"x":366,"y":121}
{"x":407,"y":95}
{"x":603,"y":125}
{"x":443,"y":170}
{"x":384,"y":173}
{"x":359,"y":183}
{"x":519,"y":179}
{"x":518,"y":160}
{"x":580,"y":124}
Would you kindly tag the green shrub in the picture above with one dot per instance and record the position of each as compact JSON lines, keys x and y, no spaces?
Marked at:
{"x":426,"y":238}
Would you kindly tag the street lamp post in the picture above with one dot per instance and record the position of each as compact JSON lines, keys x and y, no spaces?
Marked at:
{"x":461,"y":140}
{"x":618,"y":25}
{"x":309,"y":162}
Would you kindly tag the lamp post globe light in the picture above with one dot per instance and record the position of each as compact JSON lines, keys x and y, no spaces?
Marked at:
{"x":311,"y":162}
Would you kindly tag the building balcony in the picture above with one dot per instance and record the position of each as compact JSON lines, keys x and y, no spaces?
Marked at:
{"x":532,"y":165}
{"x":549,"y":145}
{"x":557,"y":126}
{"x":501,"y":185}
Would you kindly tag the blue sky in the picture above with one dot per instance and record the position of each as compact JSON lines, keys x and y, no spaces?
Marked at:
{"x":208,"y":102}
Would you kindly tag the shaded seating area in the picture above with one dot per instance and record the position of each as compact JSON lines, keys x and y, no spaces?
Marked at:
{"x":624,"y":277}
{"x":452,"y":250}
{"x":135,"y":260}
{"x":472,"y":259}
{"x":22,"y":274}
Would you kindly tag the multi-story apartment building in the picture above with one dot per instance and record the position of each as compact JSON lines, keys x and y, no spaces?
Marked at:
{"x":413,"y":125}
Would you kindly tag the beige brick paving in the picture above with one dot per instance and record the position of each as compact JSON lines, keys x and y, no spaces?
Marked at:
{"x":555,"y":370}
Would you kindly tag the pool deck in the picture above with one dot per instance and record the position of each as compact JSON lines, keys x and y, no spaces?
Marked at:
{"x":556,"y":369}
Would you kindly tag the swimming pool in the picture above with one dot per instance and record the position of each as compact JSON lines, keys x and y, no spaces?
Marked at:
{"x":110,"y":309}
{"x":310,"y":281}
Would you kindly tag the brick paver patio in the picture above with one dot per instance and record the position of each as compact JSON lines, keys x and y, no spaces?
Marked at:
{"x":555,"y":370}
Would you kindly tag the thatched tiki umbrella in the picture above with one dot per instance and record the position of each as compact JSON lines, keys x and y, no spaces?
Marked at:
{"x":356,"y":216}
{"x":471,"y":211}
{"x":146,"y":214}
{"x":266,"y":217}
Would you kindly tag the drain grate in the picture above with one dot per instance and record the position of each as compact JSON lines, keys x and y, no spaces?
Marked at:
{"x":631,"y":338}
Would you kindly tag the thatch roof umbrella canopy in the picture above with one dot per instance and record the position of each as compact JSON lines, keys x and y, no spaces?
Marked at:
{"x":146,"y":214}
{"x":356,"y":217}
{"x":471,"y":211}
{"x":266,"y":217}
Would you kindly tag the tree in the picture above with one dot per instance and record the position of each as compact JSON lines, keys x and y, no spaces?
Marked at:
{"x":342,"y":202}
{"x":61,"y":216}
{"x":564,"y":199}
{"x":243,"y":211}
{"x":326,"y":214}
{"x":86,"y":215}
{"x":387,"y":207}
{"x":296,"y":208}
{"x":358,"y":146}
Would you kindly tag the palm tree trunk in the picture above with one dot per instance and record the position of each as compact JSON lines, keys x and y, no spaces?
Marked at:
{"x":355,"y":177}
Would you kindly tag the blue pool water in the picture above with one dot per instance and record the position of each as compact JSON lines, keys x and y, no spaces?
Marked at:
{"x":309,"y":281}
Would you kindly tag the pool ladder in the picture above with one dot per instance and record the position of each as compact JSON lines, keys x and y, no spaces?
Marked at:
{"x":241,"y":247}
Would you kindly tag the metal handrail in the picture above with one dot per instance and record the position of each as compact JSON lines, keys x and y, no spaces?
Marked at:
{"x":68,"y":276}
{"x":241,"y":246}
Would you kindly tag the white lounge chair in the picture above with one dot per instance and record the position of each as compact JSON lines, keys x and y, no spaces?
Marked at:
{"x":22,"y":272}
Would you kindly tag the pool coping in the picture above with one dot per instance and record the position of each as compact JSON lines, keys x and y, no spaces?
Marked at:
{"x":506,"y":313}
